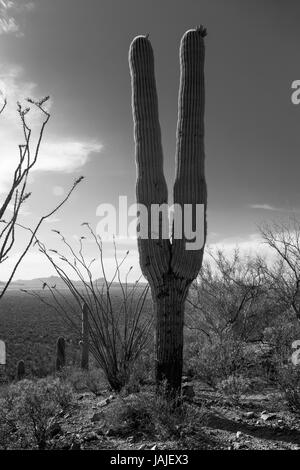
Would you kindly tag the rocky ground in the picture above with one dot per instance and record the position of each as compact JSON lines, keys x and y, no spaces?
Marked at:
{"x":257,"y":422}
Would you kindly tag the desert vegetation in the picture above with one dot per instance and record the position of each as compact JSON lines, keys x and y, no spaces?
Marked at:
{"x":241,"y":386}
{"x":17,"y":194}
{"x":201,"y":353}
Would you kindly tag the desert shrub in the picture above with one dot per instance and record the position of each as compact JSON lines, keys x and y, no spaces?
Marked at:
{"x":133,"y":385}
{"x":83,"y":380}
{"x":75,"y":376}
{"x":280,"y":337}
{"x":29,"y":408}
{"x":171,"y":417}
{"x":95,"y":381}
{"x":289,"y":385}
{"x":131,"y":416}
{"x":119,"y":325}
{"x":217,"y":360}
{"x":152,"y":416}
{"x":142,"y":373}
{"x":233,"y":387}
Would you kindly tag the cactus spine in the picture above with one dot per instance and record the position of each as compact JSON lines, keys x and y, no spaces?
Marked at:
{"x":167,"y":265}
{"x":85,"y":337}
{"x":20,"y":370}
{"x":60,"y":353}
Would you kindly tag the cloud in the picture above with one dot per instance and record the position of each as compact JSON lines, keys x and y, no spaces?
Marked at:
{"x":267,"y":207}
{"x":8,"y":25}
{"x":9,"y":10}
{"x":248,"y":246}
{"x":57,"y":155}
{"x":67,"y":156}
{"x":14,"y":88}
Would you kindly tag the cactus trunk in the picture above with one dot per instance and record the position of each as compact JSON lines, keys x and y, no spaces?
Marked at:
{"x":85,"y":337}
{"x":167,"y":265}
{"x":169,"y":334}
{"x":60,"y":354}
{"x":20,"y":370}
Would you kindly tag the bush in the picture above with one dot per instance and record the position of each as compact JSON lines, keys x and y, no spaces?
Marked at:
{"x":234,"y":387}
{"x":82,"y":380}
{"x":289,"y":385}
{"x":142,"y":374}
{"x":119,"y":325}
{"x":28,"y":409}
{"x":152,"y":416}
{"x":95,"y":381}
{"x":280,"y":336}
{"x":131,"y":416}
{"x":212,"y":362}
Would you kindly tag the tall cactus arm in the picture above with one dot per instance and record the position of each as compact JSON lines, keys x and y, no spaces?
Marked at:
{"x":151,"y":187}
{"x":169,"y":268}
{"x":190,"y":185}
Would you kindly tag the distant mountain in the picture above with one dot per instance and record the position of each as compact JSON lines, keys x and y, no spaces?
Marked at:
{"x":37,"y":283}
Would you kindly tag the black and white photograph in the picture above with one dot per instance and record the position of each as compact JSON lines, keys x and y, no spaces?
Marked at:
{"x":149,"y":228}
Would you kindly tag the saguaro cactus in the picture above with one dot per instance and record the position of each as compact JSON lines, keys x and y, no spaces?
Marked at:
{"x":20,"y":370}
{"x":168,"y":266}
{"x":85,"y":337}
{"x":60,"y":353}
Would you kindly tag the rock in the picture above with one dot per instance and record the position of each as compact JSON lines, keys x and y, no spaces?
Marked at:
{"x":103,"y":403}
{"x":54,"y":430}
{"x":92,"y":436}
{"x":238,"y":434}
{"x":106,"y":401}
{"x":188,"y":391}
{"x":97,"y":417}
{"x":267,"y":416}
{"x":250,"y":415}
{"x":280,"y":422}
{"x":84,"y":395}
{"x":296,"y":447}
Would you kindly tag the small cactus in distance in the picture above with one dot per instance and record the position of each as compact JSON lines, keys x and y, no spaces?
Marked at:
{"x":60,"y":353}
{"x":85,"y":337}
{"x":20,"y":370}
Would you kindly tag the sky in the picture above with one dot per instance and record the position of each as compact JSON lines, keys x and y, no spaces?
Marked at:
{"x":77,"y":52}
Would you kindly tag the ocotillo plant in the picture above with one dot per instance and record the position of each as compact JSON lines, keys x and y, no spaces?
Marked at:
{"x":85,"y":337}
{"x":168,"y":266}
{"x":20,"y":370}
{"x":60,"y":353}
